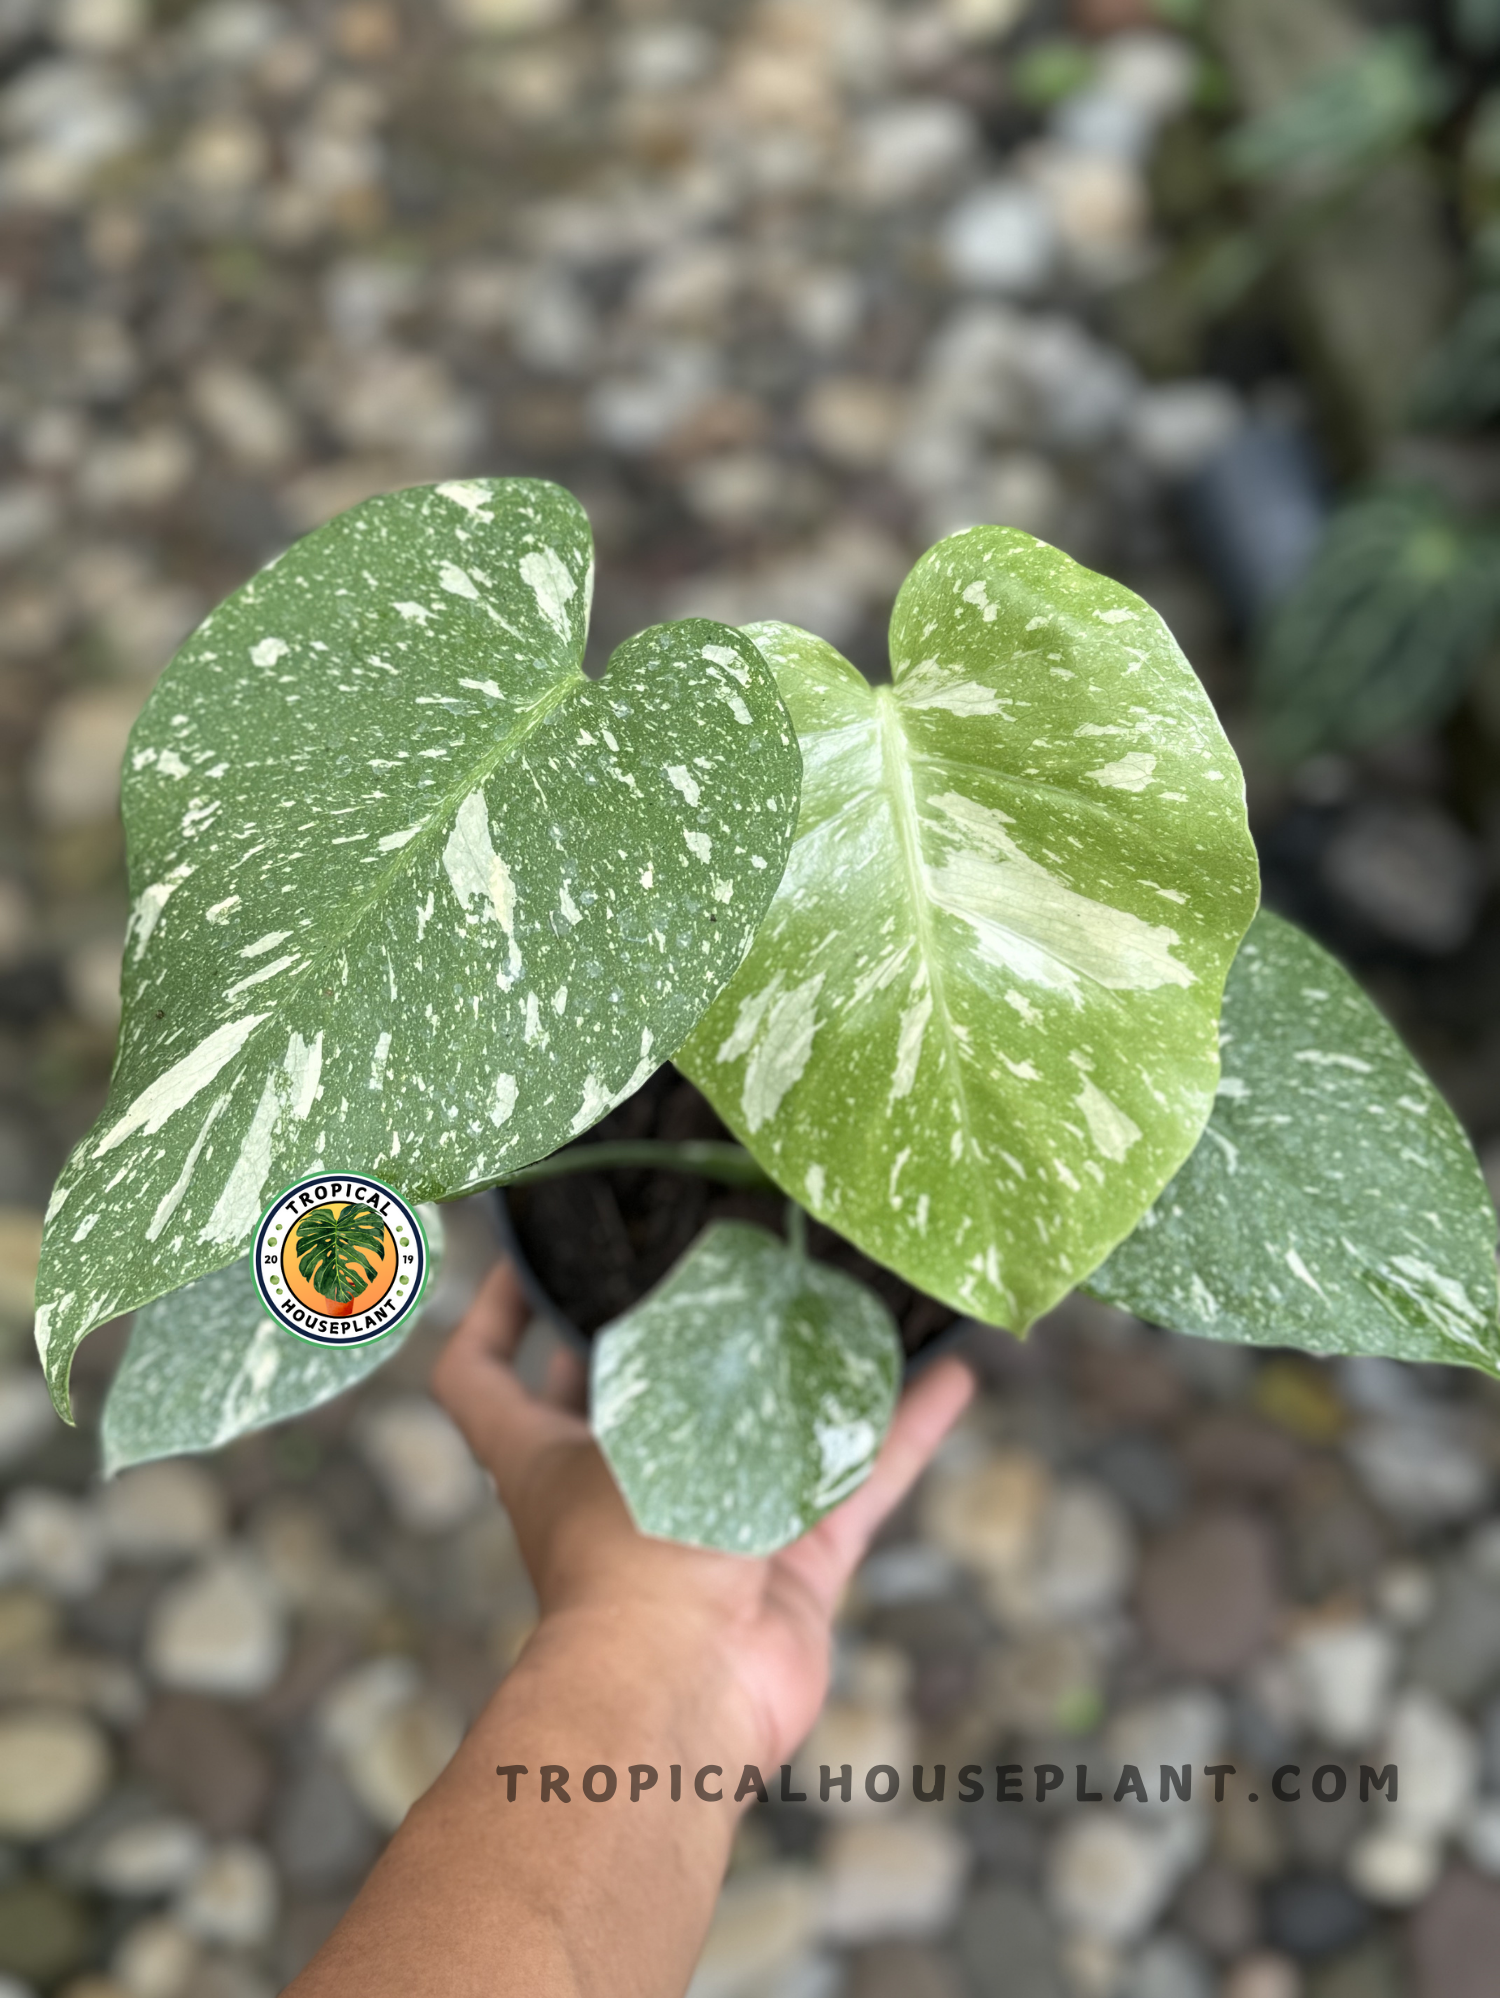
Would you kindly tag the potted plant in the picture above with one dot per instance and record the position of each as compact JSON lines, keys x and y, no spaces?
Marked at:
{"x":413,"y":898}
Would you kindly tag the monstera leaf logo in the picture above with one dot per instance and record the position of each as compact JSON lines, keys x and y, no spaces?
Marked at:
{"x":339,"y":1250}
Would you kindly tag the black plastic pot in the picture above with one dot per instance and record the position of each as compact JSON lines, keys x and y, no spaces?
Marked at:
{"x":587,"y":1246}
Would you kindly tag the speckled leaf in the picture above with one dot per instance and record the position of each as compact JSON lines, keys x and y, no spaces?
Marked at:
{"x":977,"y":1031}
{"x":412,"y":896}
{"x":1333,"y":1202}
{"x":206,"y":1364}
{"x":746,"y":1396}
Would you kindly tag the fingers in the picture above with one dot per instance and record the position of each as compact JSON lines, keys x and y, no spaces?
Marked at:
{"x":475,"y":1383}
{"x":566,"y":1382}
{"x":924,"y":1416}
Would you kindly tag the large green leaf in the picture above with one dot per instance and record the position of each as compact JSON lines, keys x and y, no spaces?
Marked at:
{"x":412,"y":897}
{"x":746,"y":1396}
{"x":206,"y":1364}
{"x":1333,"y":1203}
{"x":977,"y":1031}
{"x":1381,"y":634}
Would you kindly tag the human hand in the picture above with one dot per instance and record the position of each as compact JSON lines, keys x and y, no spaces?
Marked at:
{"x":755,"y":1629}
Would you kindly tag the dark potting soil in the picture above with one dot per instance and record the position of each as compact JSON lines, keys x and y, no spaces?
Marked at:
{"x":598,"y":1242}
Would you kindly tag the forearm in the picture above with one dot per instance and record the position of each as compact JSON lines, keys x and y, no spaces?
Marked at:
{"x":476,"y":1894}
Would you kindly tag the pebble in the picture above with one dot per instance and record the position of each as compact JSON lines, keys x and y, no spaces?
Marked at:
{"x":232,"y":1898}
{"x":1436,"y":1753}
{"x":1109,"y":1879}
{"x":1175,"y":429}
{"x":156,"y":1956}
{"x":243,"y":414}
{"x":1168,"y":1965}
{"x":45,"y":1933}
{"x":1344,"y":1673}
{"x":162,"y":1513}
{"x":54,"y":1768}
{"x":52,"y":1540}
{"x":75,"y":768}
{"x":1393,"y":1869}
{"x":1310,"y":1916}
{"x":1263,"y":1975}
{"x":148,"y":1857}
{"x":392,"y":1736}
{"x":1208,"y":1593}
{"x":1455,"y":1935}
{"x":763,"y":1923}
{"x":892,"y":1878}
{"x":1001,"y":238}
{"x":861,"y":1733}
{"x":129,"y":474}
{"x":1481,"y":1835}
{"x":20,"y":1246}
{"x":911,"y":149}
{"x":202,"y":1757}
{"x":430,"y":1481}
{"x":986,"y":1513}
{"x":219,"y":1631}
{"x":27,"y":1418}
{"x":1007,"y":1944}
{"x":1410,"y":871}
{"x":321,"y":1837}
{"x":1419,"y":1469}
{"x":1457,"y":1651}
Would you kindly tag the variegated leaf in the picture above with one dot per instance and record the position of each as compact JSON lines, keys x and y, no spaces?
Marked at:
{"x":746,"y":1396}
{"x":412,"y":896}
{"x":977,"y":1032}
{"x":1333,"y":1202}
{"x":206,"y":1364}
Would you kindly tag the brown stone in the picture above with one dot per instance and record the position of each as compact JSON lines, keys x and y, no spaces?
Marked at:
{"x":1231,"y":1450}
{"x":206,"y":1760}
{"x":1129,"y":1385}
{"x":1455,"y":1936}
{"x":1208,"y":1594}
{"x":1110,"y":17}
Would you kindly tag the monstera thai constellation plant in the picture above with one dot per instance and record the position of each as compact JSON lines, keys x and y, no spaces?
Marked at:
{"x":413,"y":897}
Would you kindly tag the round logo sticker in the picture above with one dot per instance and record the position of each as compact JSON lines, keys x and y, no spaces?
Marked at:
{"x":340,"y":1259}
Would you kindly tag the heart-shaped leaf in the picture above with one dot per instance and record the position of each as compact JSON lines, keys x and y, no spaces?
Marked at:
{"x":206,"y":1364}
{"x":1333,"y":1202}
{"x":412,"y":896}
{"x":977,"y":1031}
{"x":746,"y":1396}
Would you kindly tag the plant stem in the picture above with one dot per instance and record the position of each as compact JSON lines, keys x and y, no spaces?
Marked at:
{"x":796,"y":1229}
{"x":710,"y":1159}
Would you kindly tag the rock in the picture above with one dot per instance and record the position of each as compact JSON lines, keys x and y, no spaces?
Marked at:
{"x":1437,"y":1756}
{"x":911,"y":148}
{"x":100,"y":27}
{"x":232,"y":1899}
{"x":1420,"y":1469}
{"x":905,"y":1573}
{"x":205,"y":1760}
{"x":1208,"y":1593}
{"x":148,"y":1857}
{"x":1001,"y":238}
{"x":162,"y":1512}
{"x":218,"y":1631}
{"x":1110,"y":1878}
{"x":892,"y":1878}
{"x":986,"y":1512}
{"x":91,"y":980}
{"x":54,"y":1768}
{"x":1046,"y":1681}
{"x":121,"y":475}
{"x":156,"y":1956}
{"x":1168,"y":1964}
{"x":1404,"y":1594}
{"x":320,"y":1837}
{"x":27,"y":1417}
{"x":1310,"y":1915}
{"x":1410,"y":871}
{"x":762,"y":1924}
{"x":1084,"y":1558}
{"x":1263,"y":1975}
{"x":75,"y":768}
{"x":853,"y":420}
{"x":243,"y":414}
{"x":1481,"y":1835}
{"x":860,"y":1732}
{"x":53,"y":1540}
{"x":1457,"y":1652}
{"x":1144,"y":1475}
{"x":1219,"y":1910}
{"x":1455,"y":1936}
{"x":20,"y":1246}
{"x":1187,"y":1725}
{"x":1176,"y":428}
{"x":894,"y":1969}
{"x":425,"y":1469}
{"x":1007,"y":1944}
{"x":29,"y":1622}
{"x":44,"y":1933}
{"x":1344,"y":1674}
{"x":1099,"y":206}
{"x":28,"y":514}
{"x":391,"y":1735}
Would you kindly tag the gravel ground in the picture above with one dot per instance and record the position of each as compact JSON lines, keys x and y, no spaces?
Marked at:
{"x":784,"y":291}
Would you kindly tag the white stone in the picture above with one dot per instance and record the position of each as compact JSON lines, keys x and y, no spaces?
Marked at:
{"x":911,"y":148}
{"x":145,"y":471}
{"x":1393,"y":1868}
{"x":162,"y":1512}
{"x":1019,"y":489}
{"x":1185,"y":1726}
{"x":861,"y":1732}
{"x":392,"y":1736}
{"x":1109,"y":1878}
{"x":893,"y":1877}
{"x":1419,"y":1469}
{"x":243,"y":413}
{"x":53,"y":1540}
{"x":54,"y":1768}
{"x":20,"y":1246}
{"x":853,"y":420}
{"x":28,"y":513}
{"x":75,"y":768}
{"x":100,"y":27}
{"x":232,"y":1899}
{"x":508,"y":17}
{"x":1001,"y":238}
{"x":27,"y":1418}
{"x":1481,"y":1834}
{"x":905,"y":1573}
{"x":1404,"y":1593}
{"x":986,"y":1511}
{"x":1099,"y":206}
{"x":1085,"y":1557}
{"x":1437,"y":1756}
{"x":1176,"y":428}
{"x":1344,"y":1674}
{"x":148,"y":1857}
{"x":1168,"y":1967}
{"x":763,"y":1923}
{"x":157,"y":1957}
{"x":218,"y":1631}
{"x":419,"y":1457}
{"x":91,"y":980}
